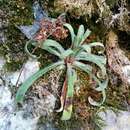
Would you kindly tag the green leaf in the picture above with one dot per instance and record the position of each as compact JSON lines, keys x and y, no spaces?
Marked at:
{"x":86,"y":47}
{"x":66,"y":53}
{"x":95,"y":44}
{"x":25,"y":86}
{"x":70,"y":28}
{"x":82,"y":48}
{"x":51,"y":46}
{"x":82,"y":66}
{"x":79,"y":36}
{"x":71,"y":78}
{"x":86,"y":34}
{"x":100,"y":61}
{"x":102,"y":86}
{"x":27,"y":51}
{"x":52,"y":43}
{"x":53,"y":51}
{"x":67,"y":113}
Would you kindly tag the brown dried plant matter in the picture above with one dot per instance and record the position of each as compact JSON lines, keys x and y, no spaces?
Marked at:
{"x":116,"y":57}
{"x":43,"y":95}
{"x":111,"y":13}
{"x":52,"y":28}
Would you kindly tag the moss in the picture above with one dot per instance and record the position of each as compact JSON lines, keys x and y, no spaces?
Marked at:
{"x":19,"y":12}
{"x":115,"y":97}
{"x":71,"y":124}
{"x":112,"y":3}
{"x":13,"y":66}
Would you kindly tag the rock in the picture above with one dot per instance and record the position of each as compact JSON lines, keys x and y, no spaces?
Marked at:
{"x":27,"y":117}
{"x":29,"y":68}
{"x":117,"y":60}
{"x":126,"y":71}
{"x":109,"y":117}
{"x":2,"y":37}
{"x":5,"y":97}
{"x":44,"y":106}
{"x":113,"y":127}
{"x":10,"y":118}
{"x":18,"y":122}
{"x":2,"y":62}
{"x":48,"y":126}
{"x":115,"y":121}
{"x":124,"y":120}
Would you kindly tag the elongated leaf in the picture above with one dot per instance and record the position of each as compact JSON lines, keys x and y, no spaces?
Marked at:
{"x":80,"y":49}
{"x":79,"y":36}
{"x":52,"y":43}
{"x":100,"y":88}
{"x":53,"y":51}
{"x":70,"y":28}
{"x":88,"y":69}
{"x":83,"y":54}
{"x":67,"y":113}
{"x":52,"y":47}
{"x":86,"y":47}
{"x":72,"y":77}
{"x":63,"y":96}
{"x":25,"y":86}
{"x":95,"y":44}
{"x":27,"y":51}
{"x":67,"y":53}
{"x":86,"y":34}
{"x":82,"y":66}
{"x":100,"y":61}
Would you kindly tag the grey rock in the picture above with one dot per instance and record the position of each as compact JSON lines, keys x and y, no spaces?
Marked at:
{"x":115,"y":121}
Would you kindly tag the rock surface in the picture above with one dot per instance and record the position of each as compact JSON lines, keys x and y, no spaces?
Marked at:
{"x":28,"y":69}
{"x":126,"y":71}
{"x":12,"y":118}
{"x":115,"y":121}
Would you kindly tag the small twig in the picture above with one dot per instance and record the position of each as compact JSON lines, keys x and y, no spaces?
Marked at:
{"x":20,"y":75}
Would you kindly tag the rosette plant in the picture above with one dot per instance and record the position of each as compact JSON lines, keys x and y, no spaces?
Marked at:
{"x":78,"y":56}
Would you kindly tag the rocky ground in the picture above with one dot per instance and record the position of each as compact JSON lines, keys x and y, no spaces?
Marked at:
{"x":28,"y":116}
{"x":38,"y":110}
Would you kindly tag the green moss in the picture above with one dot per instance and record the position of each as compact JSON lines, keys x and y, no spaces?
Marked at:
{"x":112,"y":3}
{"x":18,"y":12}
{"x":13,"y":66}
{"x":72,"y":124}
{"x":115,"y":97}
